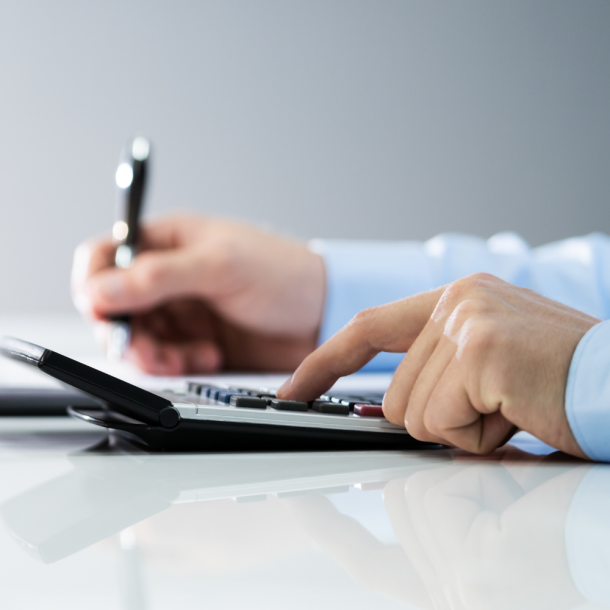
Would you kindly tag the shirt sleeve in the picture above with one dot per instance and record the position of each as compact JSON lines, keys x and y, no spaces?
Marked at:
{"x":588,"y":393}
{"x":362,"y":274}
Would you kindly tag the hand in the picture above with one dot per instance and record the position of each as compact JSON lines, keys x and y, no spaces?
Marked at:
{"x":471,"y":532}
{"x":206,"y":294}
{"x":485,"y":358}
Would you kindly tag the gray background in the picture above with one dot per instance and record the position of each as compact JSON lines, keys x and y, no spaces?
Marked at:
{"x":385,"y":119}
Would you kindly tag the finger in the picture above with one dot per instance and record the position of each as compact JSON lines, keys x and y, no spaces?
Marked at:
{"x":155,"y":277}
{"x":415,"y":412}
{"x":375,"y":565}
{"x":412,"y":524}
{"x":168,"y":232}
{"x":95,"y":255}
{"x":392,"y":328}
{"x":171,"y":359}
{"x":397,"y":397}
{"x":451,"y":414}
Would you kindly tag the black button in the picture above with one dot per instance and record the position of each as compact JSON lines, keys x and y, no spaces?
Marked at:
{"x":261,"y":393}
{"x":288,"y":405}
{"x":322,"y":406}
{"x":248,"y":402}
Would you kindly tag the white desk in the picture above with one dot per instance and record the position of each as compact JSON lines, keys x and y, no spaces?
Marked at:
{"x":88,"y":524}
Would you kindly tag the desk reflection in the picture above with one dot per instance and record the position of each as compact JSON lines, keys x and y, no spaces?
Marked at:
{"x":512,"y":531}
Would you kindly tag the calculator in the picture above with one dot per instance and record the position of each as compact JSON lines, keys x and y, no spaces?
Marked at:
{"x":208,"y":417}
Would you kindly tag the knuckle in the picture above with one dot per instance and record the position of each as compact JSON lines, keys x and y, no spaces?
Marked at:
{"x":432,"y":424}
{"x":391,"y":410}
{"x":480,"y":335}
{"x":470,"y":284}
{"x":471,"y":308}
{"x":416,"y":428}
{"x":364,"y":318}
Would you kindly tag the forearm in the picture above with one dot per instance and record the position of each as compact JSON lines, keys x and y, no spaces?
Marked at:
{"x":362,"y":274}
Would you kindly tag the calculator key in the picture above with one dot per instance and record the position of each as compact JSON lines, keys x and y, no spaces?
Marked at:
{"x":195,"y":387}
{"x":349,"y":401}
{"x":225,"y":396}
{"x":261,"y":394}
{"x":288,"y":405}
{"x":213,"y":393}
{"x":248,"y":402}
{"x":322,"y":406}
{"x":368,"y":410}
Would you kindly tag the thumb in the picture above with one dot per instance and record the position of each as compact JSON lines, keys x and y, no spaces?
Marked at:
{"x":386,"y":328}
{"x":155,"y":277}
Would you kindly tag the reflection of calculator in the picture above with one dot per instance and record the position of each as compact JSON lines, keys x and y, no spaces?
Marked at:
{"x":100,"y":496}
{"x":206,"y":417}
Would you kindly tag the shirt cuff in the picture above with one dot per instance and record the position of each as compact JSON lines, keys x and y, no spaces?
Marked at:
{"x":361,"y":274}
{"x":588,"y":393}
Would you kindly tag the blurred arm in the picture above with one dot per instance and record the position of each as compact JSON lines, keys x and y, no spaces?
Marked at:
{"x":361,"y":274}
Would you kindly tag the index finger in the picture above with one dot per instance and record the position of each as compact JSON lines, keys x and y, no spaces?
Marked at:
{"x":96,"y":254}
{"x":385,"y":328}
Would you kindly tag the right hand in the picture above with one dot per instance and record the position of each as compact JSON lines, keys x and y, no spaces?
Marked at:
{"x":484,"y":358}
{"x":206,"y":294}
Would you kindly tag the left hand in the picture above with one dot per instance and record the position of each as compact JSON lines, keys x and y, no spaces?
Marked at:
{"x":485,"y":358}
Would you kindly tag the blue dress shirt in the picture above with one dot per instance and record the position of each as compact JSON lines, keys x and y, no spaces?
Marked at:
{"x":574,"y":271}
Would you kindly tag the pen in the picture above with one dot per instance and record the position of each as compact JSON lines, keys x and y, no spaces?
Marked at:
{"x":131,"y":184}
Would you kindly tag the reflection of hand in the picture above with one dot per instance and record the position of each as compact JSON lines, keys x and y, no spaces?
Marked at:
{"x":206,"y":294}
{"x":382,"y":567}
{"x":478,"y":540}
{"x":473,"y":537}
{"x":484,"y":358}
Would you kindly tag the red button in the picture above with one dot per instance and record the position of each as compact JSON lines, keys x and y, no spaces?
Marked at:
{"x":368,"y":410}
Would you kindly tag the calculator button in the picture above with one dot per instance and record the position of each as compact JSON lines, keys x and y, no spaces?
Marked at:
{"x":262,"y":393}
{"x":288,"y":405}
{"x":368,"y":410}
{"x":350,"y":402}
{"x":322,"y":406}
{"x":194,"y":387}
{"x":212,"y":393}
{"x":248,"y":402}
{"x":225,"y":396}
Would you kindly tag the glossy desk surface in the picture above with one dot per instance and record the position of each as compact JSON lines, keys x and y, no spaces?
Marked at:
{"x":89,"y":521}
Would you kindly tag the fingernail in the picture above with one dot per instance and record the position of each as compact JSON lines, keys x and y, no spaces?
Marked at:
{"x":284,"y":387}
{"x":111,"y":286}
